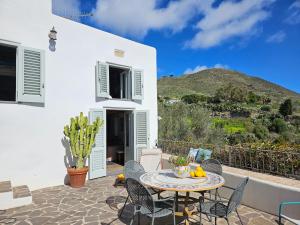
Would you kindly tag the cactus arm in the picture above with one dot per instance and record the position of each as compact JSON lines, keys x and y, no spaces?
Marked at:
{"x":81,"y":136}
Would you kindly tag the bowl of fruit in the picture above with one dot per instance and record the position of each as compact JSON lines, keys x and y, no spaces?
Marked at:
{"x":198,"y":173}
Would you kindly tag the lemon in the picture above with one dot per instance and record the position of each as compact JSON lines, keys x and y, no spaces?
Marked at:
{"x":192,"y":173}
{"x":204,"y":174}
{"x":198,"y":173}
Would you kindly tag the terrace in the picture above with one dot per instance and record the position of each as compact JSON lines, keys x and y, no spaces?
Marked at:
{"x":100,"y":202}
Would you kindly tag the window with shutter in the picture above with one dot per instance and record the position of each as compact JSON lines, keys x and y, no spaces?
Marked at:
{"x":102,"y":80}
{"x":137,"y":84}
{"x":31,"y":75}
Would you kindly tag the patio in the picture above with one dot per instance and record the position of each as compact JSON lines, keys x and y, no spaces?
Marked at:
{"x":96,"y":203}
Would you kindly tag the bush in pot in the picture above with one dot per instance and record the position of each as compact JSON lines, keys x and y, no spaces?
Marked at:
{"x":181,"y":165}
{"x":81,"y":136}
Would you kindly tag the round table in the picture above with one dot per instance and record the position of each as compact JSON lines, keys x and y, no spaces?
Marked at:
{"x":167,"y":181}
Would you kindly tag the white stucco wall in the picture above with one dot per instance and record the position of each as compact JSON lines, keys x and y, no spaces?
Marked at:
{"x":31,"y":151}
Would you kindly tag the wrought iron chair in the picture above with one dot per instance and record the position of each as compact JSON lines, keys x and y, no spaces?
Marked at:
{"x":144,"y":203}
{"x":221,"y":208}
{"x":133,"y":169}
{"x":282,"y":216}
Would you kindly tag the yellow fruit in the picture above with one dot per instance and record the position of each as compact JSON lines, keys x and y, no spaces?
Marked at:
{"x":198,"y":173}
{"x":199,"y":168}
{"x":121,"y":176}
{"x":192,"y":173}
{"x":204,"y":174}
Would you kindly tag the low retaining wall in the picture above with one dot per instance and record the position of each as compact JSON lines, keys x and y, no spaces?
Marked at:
{"x":259,"y":194}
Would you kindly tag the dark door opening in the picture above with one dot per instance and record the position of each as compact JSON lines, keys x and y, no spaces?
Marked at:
{"x":119,"y":137}
{"x":7,"y":73}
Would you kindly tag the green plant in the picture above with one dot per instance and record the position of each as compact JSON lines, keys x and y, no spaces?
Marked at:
{"x":286,"y":108}
{"x":265,"y":108}
{"x":260,"y":131}
{"x":180,"y":160}
{"x":81,"y":137}
{"x":278,"y":125}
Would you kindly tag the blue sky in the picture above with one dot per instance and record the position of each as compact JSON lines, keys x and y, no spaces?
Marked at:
{"x":258,"y":37}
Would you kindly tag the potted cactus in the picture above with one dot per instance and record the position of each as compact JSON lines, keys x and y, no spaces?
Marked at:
{"x":81,"y":136}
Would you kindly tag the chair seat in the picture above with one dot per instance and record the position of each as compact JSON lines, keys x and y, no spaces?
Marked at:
{"x":291,"y":219}
{"x":213,"y":208}
{"x":161,"y":209}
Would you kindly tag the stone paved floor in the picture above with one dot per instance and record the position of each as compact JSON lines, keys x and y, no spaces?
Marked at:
{"x":98,"y":203}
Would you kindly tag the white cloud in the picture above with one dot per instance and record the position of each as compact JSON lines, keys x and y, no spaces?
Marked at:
{"x":67,"y":8}
{"x":294,"y":13}
{"x":200,"y":68}
{"x":136,"y":17}
{"x":230,"y":19}
{"x":278,"y":37}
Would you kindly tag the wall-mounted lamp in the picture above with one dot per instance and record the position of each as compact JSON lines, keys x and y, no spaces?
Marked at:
{"x":52,"y":39}
{"x":52,"y":34}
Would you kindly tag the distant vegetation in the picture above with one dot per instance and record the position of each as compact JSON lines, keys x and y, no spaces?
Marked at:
{"x":219,"y":106}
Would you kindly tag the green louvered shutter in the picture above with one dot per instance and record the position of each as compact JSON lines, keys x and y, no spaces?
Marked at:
{"x":137,"y":84}
{"x":31,"y":75}
{"x":97,"y":159}
{"x":141,"y":124}
{"x":102,"y":80}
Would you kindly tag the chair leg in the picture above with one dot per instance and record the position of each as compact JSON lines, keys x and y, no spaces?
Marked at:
{"x":227,"y":220}
{"x":239,"y":217}
{"x":215,"y":220}
{"x":132,"y":219}
{"x":279,"y":220}
{"x":124,"y":206}
{"x":152,"y":223}
{"x":174,"y":218}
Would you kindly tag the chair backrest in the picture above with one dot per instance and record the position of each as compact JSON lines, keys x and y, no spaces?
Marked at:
{"x":132,"y":169}
{"x":212,"y":165}
{"x":138,"y":194}
{"x":151,"y":159}
{"x":236,"y":197}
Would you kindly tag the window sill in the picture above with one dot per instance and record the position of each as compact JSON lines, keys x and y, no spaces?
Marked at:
{"x":8,"y":102}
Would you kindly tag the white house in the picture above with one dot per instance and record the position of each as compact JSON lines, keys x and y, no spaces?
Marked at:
{"x":89,"y":71}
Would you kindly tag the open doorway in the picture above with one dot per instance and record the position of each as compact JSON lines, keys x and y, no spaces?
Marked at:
{"x":119,"y":139}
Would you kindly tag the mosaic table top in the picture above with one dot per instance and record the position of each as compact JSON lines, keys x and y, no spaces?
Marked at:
{"x":166,"y":180}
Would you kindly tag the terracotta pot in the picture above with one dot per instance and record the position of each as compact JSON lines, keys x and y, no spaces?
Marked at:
{"x":77,"y":176}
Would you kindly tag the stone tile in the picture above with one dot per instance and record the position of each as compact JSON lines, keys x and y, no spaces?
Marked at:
{"x":99,"y":203}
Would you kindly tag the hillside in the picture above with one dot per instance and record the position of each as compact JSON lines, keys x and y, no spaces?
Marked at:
{"x":208,"y":81}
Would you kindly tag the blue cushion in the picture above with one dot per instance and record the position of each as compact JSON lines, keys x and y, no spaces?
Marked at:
{"x":193,"y":153}
{"x":203,"y":154}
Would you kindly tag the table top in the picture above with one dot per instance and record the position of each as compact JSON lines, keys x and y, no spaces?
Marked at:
{"x":166,"y":180}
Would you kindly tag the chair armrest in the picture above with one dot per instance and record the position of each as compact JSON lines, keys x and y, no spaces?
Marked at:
{"x":202,"y":198}
{"x":282,"y":204}
{"x":228,"y":187}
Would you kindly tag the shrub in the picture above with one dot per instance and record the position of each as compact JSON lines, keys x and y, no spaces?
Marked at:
{"x":286,"y":108}
{"x":260,"y":131}
{"x":266,"y":108}
{"x":193,"y":98}
{"x":239,"y":138}
{"x":278,"y":125}
{"x":253,"y":98}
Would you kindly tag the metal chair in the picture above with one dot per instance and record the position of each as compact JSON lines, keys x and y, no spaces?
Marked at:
{"x":133,"y":169}
{"x":282,"y":216}
{"x":144,"y":203}
{"x":212,"y":165}
{"x":220,"y":208}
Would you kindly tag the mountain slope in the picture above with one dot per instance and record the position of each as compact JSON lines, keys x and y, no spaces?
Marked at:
{"x":208,"y":81}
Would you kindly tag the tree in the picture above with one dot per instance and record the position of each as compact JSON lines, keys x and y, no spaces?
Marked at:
{"x":193,"y":98}
{"x":286,"y":108}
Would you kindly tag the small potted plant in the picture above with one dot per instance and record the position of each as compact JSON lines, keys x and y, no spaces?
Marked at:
{"x":81,"y":137}
{"x":181,"y":165}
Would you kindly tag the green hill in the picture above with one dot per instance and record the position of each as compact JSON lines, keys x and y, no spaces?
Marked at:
{"x":208,"y":81}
